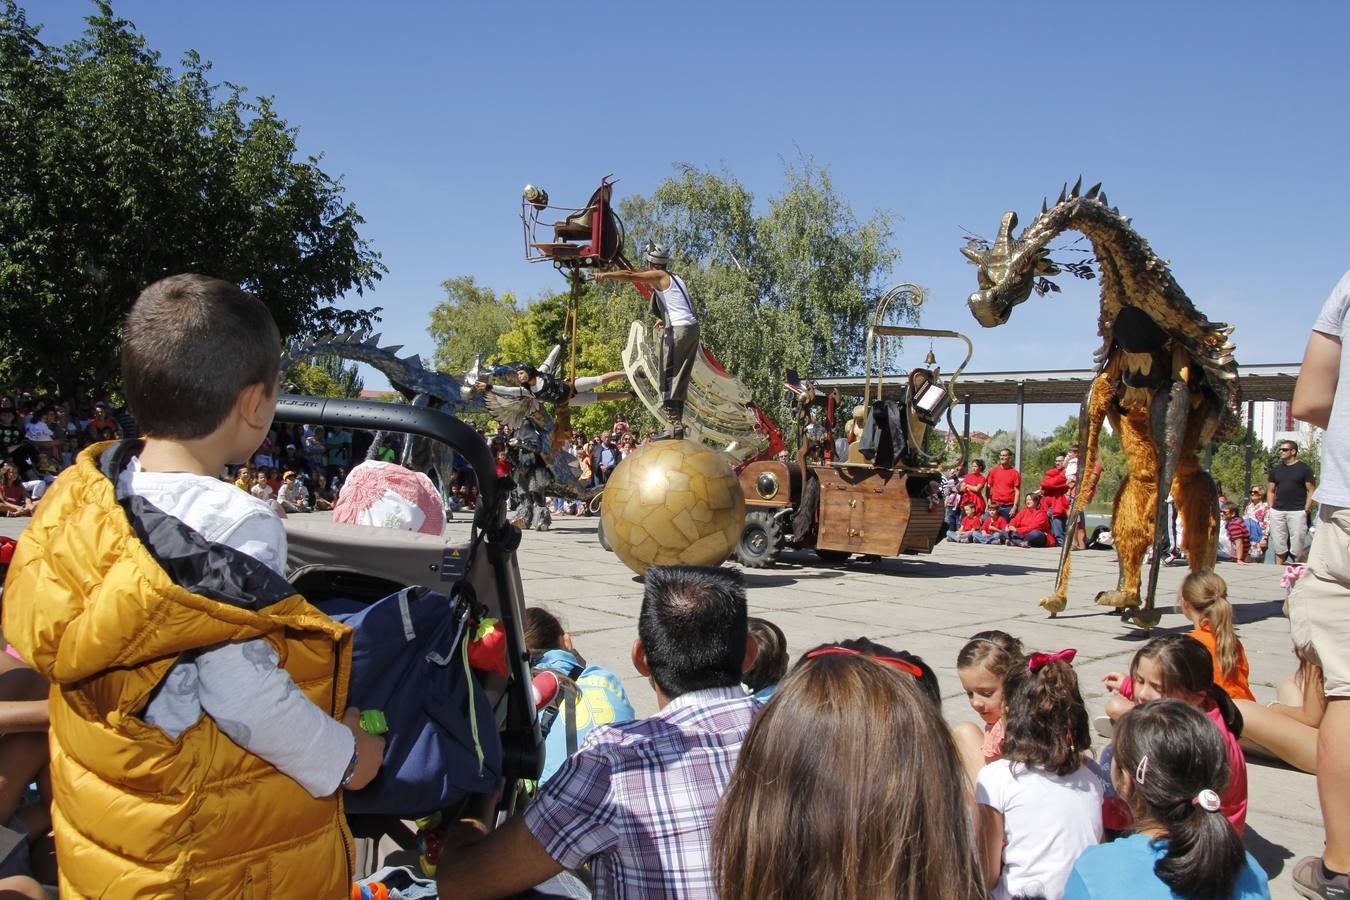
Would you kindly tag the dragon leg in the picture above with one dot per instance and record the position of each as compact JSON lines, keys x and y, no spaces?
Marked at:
{"x":1197,"y":501}
{"x":1168,"y":418}
{"x":1090,"y":416}
{"x":1132,"y":521}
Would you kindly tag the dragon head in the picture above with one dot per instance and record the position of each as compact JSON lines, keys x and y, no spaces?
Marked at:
{"x":1008,"y":270}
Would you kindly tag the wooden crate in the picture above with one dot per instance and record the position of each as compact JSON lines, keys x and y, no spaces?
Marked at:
{"x":862,"y":510}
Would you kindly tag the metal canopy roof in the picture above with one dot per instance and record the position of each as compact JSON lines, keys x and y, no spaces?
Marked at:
{"x":1270,"y":381}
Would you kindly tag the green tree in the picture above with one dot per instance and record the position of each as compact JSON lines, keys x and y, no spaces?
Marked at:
{"x":325,"y":376}
{"x":116,"y":171}
{"x":793,"y":287}
{"x":469,"y":322}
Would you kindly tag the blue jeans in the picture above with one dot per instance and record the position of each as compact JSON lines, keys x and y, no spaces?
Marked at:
{"x":1034,"y":538}
{"x":1006,"y":511}
{"x":988,"y":537}
{"x":1057,"y":529}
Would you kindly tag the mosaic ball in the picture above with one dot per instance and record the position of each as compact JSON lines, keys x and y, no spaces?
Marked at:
{"x":673,"y":503}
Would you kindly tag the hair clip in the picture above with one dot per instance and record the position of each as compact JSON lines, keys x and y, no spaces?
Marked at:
{"x":1037,"y":661}
{"x":1141,"y":770}
{"x":1207,"y":800}
{"x":902,"y":664}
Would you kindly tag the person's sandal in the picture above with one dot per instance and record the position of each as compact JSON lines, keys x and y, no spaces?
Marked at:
{"x":1310,"y":880}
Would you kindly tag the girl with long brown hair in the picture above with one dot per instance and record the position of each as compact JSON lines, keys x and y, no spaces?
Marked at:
{"x":848,"y":786}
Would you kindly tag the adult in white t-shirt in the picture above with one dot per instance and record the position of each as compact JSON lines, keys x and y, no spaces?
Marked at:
{"x":1048,"y":820}
{"x":674,"y":311}
{"x":1319,"y":602}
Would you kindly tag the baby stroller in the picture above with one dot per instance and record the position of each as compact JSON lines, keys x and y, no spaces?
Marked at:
{"x":350,"y":569}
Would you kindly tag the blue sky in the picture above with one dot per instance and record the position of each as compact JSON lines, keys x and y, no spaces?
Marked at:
{"x":1220,"y":128}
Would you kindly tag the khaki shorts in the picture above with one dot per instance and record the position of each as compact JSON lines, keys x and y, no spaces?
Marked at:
{"x":1319,"y":602}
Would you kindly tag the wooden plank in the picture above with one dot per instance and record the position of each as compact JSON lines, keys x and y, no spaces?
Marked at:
{"x":862,"y":510}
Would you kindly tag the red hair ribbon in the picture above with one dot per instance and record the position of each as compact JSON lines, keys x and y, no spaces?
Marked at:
{"x":903,"y":665}
{"x":1037,"y":661}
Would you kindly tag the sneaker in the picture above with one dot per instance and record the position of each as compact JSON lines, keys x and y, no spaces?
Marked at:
{"x":1104,"y":726}
{"x":1310,"y":880}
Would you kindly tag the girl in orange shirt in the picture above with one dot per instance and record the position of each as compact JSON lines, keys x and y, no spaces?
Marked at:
{"x":1203,"y":599}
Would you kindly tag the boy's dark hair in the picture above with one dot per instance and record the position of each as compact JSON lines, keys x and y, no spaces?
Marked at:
{"x":693,"y":627}
{"x":1184,"y":669}
{"x":1046,"y":722}
{"x":1185,"y":755}
{"x":543,"y":631}
{"x":771,"y":661}
{"x":190,"y":345}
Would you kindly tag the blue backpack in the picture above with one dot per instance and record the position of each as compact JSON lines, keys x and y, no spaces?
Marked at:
{"x":410,"y":661}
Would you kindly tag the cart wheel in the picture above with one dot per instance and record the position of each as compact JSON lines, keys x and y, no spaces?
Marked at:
{"x":600,"y":534}
{"x":834,"y":557}
{"x":761,"y":539}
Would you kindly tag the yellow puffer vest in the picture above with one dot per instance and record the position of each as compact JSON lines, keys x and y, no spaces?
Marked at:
{"x":90,"y":604}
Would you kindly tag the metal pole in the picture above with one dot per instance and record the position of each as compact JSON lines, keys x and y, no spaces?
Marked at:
{"x":966,"y":435}
{"x":1017,"y":435}
{"x":1251,"y":446}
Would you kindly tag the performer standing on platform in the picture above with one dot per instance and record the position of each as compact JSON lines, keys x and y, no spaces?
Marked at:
{"x":674,"y":311}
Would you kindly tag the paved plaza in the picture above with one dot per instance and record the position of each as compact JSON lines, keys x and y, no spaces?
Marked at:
{"x":930,"y":605}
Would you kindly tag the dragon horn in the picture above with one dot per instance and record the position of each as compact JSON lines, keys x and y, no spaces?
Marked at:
{"x":1092,"y":191}
{"x":393,"y":350}
{"x":1076,"y":185}
{"x":413,"y":360}
{"x":1063,"y":191}
{"x":374,"y":340}
{"x":1045,"y":204}
{"x":1102,"y":198}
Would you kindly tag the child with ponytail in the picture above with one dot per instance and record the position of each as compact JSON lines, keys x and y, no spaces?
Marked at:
{"x":1040,"y":805}
{"x":1203,"y":599}
{"x":1169,"y":763}
{"x":982,"y":665}
{"x":1177,"y":667}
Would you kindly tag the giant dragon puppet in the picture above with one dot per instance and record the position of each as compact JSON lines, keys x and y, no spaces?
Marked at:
{"x":1165,"y":379}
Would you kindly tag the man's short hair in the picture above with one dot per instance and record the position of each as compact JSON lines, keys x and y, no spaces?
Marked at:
{"x":693,"y":627}
{"x":190,"y":345}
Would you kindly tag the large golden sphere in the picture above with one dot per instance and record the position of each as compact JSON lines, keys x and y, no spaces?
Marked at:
{"x":673,"y":502}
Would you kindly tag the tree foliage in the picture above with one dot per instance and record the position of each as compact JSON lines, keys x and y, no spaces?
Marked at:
{"x":116,"y":171}
{"x":792,"y":287}
{"x":325,"y":376}
{"x":469,"y":322}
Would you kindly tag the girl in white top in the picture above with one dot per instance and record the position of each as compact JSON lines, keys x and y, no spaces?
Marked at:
{"x":1040,"y":805}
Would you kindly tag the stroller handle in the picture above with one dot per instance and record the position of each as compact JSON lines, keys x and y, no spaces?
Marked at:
{"x":420,"y":421}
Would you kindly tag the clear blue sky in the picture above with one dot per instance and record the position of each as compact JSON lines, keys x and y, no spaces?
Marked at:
{"x":1220,"y":128}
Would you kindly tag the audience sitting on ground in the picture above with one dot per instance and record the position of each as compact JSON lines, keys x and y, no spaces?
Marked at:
{"x":1234,"y":538}
{"x":15,"y":499}
{"x":993,"y":528}
{"x":849,"y":786}
{"x":636,"y":802}
{"x":1040,"y":805}
{"x":293,"y":497}
{"x":1203,"y":600}
{"x":593,"y":695}
{"x":1178,"y":667}
{"x":1030,"y":527}
{"x":771,"y":658}
{"x":1170,"y":765}
{"x":970,"y":524}
{"x":982,"y":665}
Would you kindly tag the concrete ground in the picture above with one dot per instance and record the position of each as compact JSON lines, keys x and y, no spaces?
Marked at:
{"x":930,"y":605}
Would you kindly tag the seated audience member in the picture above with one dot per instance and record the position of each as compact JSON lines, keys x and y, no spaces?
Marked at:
{"x":771,"y":659}
{"x":261,"y":488}
{"x":1234,"y":539}
{"x":1178,"y":667}
{"x":598,"y":699}
{"x":24,"y":721}
{"x":293,"y":496}
{"x":849,"y":785}
{"x":970,"y":524}
{"x":1030,"y":527}
{"x":993,"y":528}
{"x":1203,"y":600}
{"x":324,"y":495}
{"x":636,"y":802}
{"x":982,"y":665}
{"x":1040,"y":805}
{"x":243,"y":478}
{"x":98,"y":426}
{"x":39,"y":431}
{"x":14,"y":497}
{"x":1169,"y":764}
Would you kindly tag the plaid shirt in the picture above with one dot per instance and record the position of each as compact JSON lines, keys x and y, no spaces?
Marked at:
{"x":637,"y":799}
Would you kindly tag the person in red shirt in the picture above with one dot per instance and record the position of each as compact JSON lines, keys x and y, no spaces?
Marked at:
{"x":972,"y":486}
{"x":1030,"y":527}
{"x":993,"y":530}
{"x":1005,"y":484}
{"x":1055,"y":491}
{"x":970,"y":525}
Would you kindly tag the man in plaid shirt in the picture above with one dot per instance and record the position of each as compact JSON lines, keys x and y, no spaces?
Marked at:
{"x":636,"y":802}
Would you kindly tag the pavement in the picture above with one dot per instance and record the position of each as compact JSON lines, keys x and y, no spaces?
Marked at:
{"x":930,"y":605}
